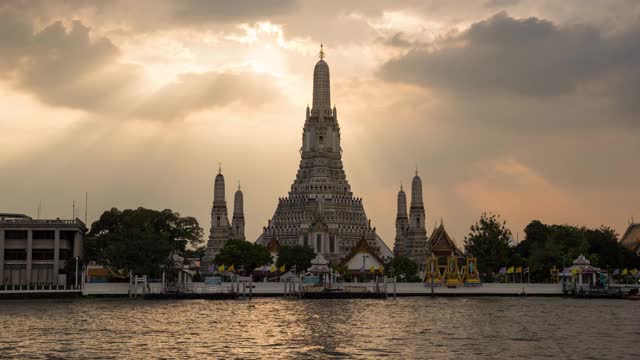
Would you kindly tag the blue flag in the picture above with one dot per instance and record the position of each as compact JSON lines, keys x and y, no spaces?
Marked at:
{"x":616,"y":272}
{"x":502,"y":270}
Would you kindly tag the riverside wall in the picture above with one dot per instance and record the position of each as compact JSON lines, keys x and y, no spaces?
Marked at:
{"x":402,"y":289}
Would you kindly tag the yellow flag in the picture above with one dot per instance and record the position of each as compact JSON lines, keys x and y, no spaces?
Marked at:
{"x":381,"y":269}
{"x":221,"y":268}
{"x":519,"y":269}
{"x":272,"y":268}
{"x":633,"y":271}
{"x":230,"y":268}
{"x":625,"y":272}
{"x":510,"y":270}
{"x":372,"y":269}
{"x":281,"y":269}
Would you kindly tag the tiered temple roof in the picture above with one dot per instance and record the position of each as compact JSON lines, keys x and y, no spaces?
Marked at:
{"x":442,"y":244}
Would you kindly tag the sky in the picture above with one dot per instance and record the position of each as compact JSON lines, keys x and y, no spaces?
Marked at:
{"x":527,"y":109}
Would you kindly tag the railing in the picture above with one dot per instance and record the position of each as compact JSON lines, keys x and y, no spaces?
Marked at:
{"x":41,"y":222}
{"x":37,"y":288}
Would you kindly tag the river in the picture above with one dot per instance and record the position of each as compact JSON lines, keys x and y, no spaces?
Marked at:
{"x":266,"y":328}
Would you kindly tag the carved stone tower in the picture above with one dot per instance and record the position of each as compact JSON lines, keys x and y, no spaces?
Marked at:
{"x":320,"y":210}
{"x":237,"y":223}
{"x":411,"y":232}
{"x":220,"y":230}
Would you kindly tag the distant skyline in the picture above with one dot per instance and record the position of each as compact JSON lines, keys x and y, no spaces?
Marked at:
{"x":528,"y":109}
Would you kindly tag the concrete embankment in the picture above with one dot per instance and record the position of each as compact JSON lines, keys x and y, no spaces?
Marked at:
{"x":261,"y":289}
{"x":40,"y":294}
{"x":402,"y":289}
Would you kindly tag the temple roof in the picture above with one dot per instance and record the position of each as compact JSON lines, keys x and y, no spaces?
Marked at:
{"x":362,"y":247}
{"x":441,"y":242}
{"x":631,"y":237}
{"x":273,"y":246}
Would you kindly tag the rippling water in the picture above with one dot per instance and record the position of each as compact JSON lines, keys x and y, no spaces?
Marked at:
{"x":434,"y":328}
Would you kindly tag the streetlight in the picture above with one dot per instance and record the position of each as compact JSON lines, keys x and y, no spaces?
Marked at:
{"x":77,"y":258}
{"x":364,"y":269}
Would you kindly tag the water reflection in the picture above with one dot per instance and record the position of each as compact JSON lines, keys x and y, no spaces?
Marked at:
{"x":439,"y":328}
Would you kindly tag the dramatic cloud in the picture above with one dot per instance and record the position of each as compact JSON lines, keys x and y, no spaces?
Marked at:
{"x":154,"y":15}
{"x":193,"y":92}
{"x":63,"y":66}
{"x":66,"y":67}
{"x":526,"y":57}
{"x":206,"y":11}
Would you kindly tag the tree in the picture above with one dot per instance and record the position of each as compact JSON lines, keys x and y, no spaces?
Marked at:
{"x":141,"y":240}
{"x":488,"y":241}
{"x":298,"y":255}
{"x":243,"y":254}
{"x":547,"y":246}
{"x":404,"y":268}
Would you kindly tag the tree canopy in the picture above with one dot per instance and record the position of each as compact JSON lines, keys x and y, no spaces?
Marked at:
{"x":546,"y":246}
{"x":298,"y":255}
{"x":142,"y":239}
{"x":243,"y":254}
{"x":488,"y":240}
{"x":404,"y":268}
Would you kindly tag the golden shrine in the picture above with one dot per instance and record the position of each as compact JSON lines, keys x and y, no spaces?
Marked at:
{"x":452,"y":276}
{"x":470,"y":273}
{"x":433,"y":275}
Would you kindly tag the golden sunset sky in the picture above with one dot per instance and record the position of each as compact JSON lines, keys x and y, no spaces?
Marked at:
{"x":529,"y":109}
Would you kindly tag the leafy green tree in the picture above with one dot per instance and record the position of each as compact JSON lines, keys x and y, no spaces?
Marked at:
{"x":404,"y":268}
{"x":141,"y":240}
{"x":488,"y":241}
{"x":298,"y":255}
{"x":547,"y":246}
{"x":243,"y":254}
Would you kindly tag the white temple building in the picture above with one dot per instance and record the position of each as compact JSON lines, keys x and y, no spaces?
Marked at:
{"x":320,"y":210}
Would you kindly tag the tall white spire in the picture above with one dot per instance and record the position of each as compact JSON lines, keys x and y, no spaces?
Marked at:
{"x":238,"y":203}
{"x":321,"y":87}
{"x":218,"y":189}
{"x":237,"y":222}
{"x":416,"y":190}
{"x":402,"y":203}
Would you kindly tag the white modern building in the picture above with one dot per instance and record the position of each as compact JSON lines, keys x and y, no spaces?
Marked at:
{"x":33,"y":251}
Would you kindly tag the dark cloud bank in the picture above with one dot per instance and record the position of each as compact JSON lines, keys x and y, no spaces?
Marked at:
{"x":67,"y":67}
{"x":527,"y":57}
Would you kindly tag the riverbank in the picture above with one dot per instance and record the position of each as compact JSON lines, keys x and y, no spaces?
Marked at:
{"x":270,"y":289}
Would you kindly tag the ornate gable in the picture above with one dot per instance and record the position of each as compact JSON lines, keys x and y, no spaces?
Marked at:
{"x":362,"y":247}
{"x":273,"y":246}
{"x":442,"y":244}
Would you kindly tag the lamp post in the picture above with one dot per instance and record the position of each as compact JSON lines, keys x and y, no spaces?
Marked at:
{"x":77,"y":258}
{"x":364,"y":269}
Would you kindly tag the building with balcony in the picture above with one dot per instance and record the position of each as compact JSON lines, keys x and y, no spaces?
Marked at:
{"x":34,"y":251}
